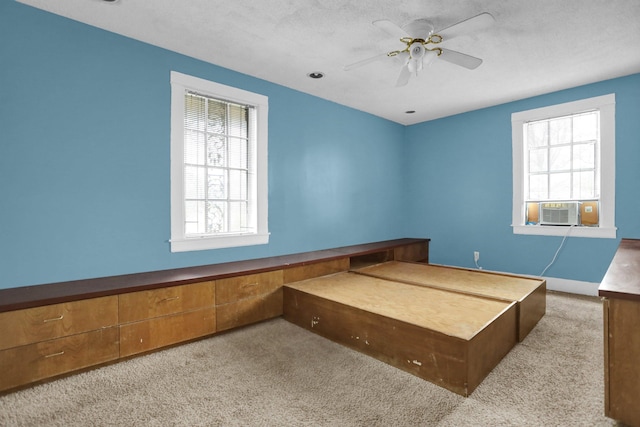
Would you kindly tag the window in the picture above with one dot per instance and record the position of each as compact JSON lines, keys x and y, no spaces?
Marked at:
{"x":564,"y":162}
{"x":218,"y":165}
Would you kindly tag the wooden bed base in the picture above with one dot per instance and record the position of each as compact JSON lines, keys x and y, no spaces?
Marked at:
{"x":449,"y":338}
{"x":529,"y":294}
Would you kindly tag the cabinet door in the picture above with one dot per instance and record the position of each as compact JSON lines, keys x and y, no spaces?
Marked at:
{"x":316,"y":269}
{"x":36,"y":324}
{"x":249,"y":310}
{"x":248,"y":299}
{"x":136,"y":306}
{"x":158,"y":332}
{"x":418,"y":252}
{"x":46,"y":359}
{"x":238,"y":288}
{"x":623,"y":378}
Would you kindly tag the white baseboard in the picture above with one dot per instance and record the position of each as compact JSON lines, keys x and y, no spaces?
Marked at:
{"x":572,"y":286}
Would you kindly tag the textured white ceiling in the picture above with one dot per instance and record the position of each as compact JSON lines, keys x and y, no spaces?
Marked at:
{"x":534,"y":47}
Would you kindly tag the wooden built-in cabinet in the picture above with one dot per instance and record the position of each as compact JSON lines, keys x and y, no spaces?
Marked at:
{"x":248,"y":299}
{"x":50,"y":330}
{"x":161,"y":317}
{"x":42,"y":342}
{"x":620,"y":290}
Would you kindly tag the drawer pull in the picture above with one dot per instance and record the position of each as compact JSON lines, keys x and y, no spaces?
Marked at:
{"x":60,"y":353}
{"x":53,"y":319}
{"x":251,"y":285}
{"x":169,"y":299}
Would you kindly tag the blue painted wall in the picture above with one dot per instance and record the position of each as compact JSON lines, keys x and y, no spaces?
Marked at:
{"x":461,"y":184}
{"x":84,"y":166}
{"x":84,"y":158}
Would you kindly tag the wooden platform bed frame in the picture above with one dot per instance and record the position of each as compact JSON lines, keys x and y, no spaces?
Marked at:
{"x":447,"y":325}
{"x":450,"y":326}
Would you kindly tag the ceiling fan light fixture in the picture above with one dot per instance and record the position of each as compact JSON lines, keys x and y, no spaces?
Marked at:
{"x":417,"y":50}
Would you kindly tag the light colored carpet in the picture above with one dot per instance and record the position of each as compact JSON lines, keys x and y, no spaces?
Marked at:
{"x":277,"y":374}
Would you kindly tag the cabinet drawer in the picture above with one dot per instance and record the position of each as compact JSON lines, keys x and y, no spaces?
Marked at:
{"x":154,"y":333}
{"x":415,"y":252}
{"x":249,"y":310}
{"x":309,"y":271}
{"x":33,"y":362}
{"x":36,"y":324}
{"x":249,"y":286}
{"x":136,"y":306}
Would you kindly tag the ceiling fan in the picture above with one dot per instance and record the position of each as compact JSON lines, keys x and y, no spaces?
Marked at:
{"x":418,"y":36}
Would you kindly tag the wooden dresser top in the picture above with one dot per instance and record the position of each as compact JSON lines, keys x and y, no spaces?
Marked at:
{"x":622,"y":279}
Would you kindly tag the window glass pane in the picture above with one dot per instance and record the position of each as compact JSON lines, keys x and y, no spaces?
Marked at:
{"x":560,"y":158}
{"x":537,"y":134}
{"x":194,"y":112}
{"x":216,"y":150}
{"x":237,"y":121}
{"x":216,"y":214}
{"x":538,"y":187}
{"x":194,"y":217}
{"x":193,"y":147}
{"x":560,"y":131}
{"x":538,"y":160}
{"x":216,"y":183}
{"x":237,"y":184}
{"x":559,"y":186}
{"x":238,"y":217}
{"x":583,"y":185}
{"x":585,"y":127}
{"x":238,"y":153}
{"x":584,"y":156}
{"x":194,"y":182}
{"x":217,"y":116}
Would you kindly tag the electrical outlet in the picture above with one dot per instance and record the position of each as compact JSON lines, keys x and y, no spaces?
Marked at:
{"x":476,"y":256}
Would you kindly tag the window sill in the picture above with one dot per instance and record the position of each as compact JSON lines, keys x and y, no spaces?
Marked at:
{"x":204,"y":243}
{"x":550,"y":230}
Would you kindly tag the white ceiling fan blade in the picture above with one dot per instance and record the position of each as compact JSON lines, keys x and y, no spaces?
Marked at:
{"x":365,"y":61}
{"x":468,"y":26}
{"x":403,"y":78}
{"x":391,"y":28}
{"x":461,"y":59}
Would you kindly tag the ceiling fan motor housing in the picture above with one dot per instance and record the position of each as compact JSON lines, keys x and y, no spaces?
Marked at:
{"x":419,"y":29}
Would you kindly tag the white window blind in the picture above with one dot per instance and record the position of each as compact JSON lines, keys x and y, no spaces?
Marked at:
{"x":219,"y":179}
{"x":219,"y":171}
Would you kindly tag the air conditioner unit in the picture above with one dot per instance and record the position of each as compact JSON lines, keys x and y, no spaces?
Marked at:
{"x":559,"y":213}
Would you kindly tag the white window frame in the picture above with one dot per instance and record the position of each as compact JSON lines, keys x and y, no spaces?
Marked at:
{"x":606,"y":228}
{"x":180,"y":83}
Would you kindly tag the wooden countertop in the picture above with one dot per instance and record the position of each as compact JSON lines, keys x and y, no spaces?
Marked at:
{"x":54,"y":293}
{"x":622,"y":279}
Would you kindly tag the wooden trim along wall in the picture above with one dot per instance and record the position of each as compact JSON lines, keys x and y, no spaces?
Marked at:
{"x":51,"y":330}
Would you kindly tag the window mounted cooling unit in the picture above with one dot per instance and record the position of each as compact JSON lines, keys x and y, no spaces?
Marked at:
{"x":560,"y":213}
